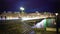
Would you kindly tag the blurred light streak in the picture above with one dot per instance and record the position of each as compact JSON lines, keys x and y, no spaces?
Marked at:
{"x":32,"y":18}
{"x":9,"y":18}
{"x":40,"y":24}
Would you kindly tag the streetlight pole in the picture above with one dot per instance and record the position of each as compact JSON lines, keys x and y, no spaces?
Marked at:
{"x":56,"y":23}
{"x":22,"y":10}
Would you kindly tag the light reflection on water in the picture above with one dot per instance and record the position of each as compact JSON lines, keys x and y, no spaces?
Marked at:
{"x":44,"y":23}
{"x":25,"y":26}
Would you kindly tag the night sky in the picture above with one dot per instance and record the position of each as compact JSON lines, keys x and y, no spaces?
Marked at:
{"x":29,"y":5}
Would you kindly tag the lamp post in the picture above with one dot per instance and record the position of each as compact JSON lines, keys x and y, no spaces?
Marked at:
{"x":22,"y":9}
{"x":56,"y":14}
{"x":56,"y":23}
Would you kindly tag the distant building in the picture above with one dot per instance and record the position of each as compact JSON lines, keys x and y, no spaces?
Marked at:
{"x":30,"y":15}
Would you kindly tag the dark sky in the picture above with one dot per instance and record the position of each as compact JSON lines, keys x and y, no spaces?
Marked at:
{"x":29,"y":5}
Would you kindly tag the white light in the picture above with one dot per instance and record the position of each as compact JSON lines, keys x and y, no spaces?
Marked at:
{"x":21,"y":8}
{"x":23,"y":18}
{"x":40,"y":24}
{"x":10,"y":18}
{"x":27,"y":18}
{"x":56,"y":14}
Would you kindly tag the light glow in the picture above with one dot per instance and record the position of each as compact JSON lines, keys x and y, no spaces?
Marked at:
{"x":21,"y":8}
{"x":40,"y":24}
{"x":29,"y":18}
{"x":10,"y":18}
{"x":56,"y":14}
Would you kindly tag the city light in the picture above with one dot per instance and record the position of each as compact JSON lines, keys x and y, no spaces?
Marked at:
{"x":11,"y":18}
{"x":56,"y":14}
{"x":24,"y":19}
{"x":21,"y":8}
{"x":28,"y":18}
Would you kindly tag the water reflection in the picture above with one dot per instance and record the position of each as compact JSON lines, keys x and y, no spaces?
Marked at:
{"x":45,"y":23}
{"x":15,"y":27}
{"x":40,"y":24}
{"x":19,"y":27}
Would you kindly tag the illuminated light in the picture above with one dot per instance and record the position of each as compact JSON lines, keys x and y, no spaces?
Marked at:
{"x":29,"y":18}
{"x":38,"y":14}
{"x":56,"y":14}
{"x":2,"y":18}
{"x":10,"y":18}
{"x":21,"y":8}
{"x":41,"y":24}
{"x":54,"y":23}
{"x":32,"y":18}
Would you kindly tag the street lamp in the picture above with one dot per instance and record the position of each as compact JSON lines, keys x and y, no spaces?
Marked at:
{"x":22,"y":9}
{"x":57,"y":29}
{"x":56,"y":14}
